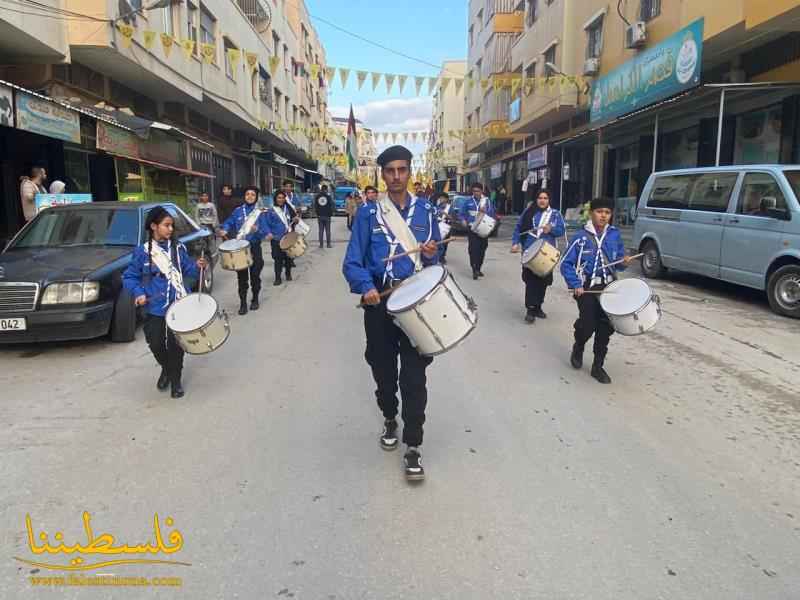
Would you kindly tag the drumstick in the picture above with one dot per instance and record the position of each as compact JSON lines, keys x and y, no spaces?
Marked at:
{"x":415,"y":250}
{"x":383,"y":294}
{"x":616,"y":262}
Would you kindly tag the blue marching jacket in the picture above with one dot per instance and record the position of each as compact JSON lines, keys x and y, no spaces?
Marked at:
{"x":234,"y":223}
{"x":144,"y":278}
{"x":578,"y":264}
{"x":469,"y":210}
{"x":363,"y":265}
{"x":556,"y":222}
{"x":276,"y":226}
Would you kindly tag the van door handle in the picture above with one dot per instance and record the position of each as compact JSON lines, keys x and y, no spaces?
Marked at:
{"x":717,"y":219}
{"x":734,"y":220}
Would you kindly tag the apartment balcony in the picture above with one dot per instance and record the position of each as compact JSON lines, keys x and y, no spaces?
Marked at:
{"x":29,"y":39}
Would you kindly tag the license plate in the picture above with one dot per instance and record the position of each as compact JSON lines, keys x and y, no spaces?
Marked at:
{"x":13,"y":324}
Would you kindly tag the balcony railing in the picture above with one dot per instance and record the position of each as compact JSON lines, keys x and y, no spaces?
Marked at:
{"x":256,"y":12}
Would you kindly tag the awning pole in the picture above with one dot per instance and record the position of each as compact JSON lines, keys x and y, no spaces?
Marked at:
{"x":561,"y":191}
{"x":655,"y":144}
{"x":719,"y":123}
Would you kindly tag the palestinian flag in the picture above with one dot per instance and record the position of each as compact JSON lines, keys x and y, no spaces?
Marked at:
{"x":352,"y":142}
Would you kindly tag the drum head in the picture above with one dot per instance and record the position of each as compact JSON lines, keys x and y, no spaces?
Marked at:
{"x":628,"y":297}
{"x":532,"y":250}
{"x":415,"y":288}
{"x":233,"y":245}
{"x":289,"y":240}
{"x":191,"y":312}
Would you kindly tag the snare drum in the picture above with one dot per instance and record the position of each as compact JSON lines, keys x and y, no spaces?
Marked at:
{"x":235,"y":255}
{"x":433,"y":311}
{"x":483,"y":225}
{"x":293,"y":244}
{"x":302,"y":228}
{"x":198,"y":324}
{"x":541,"y":257}
{"x":444,"y":230}
{"x":631,"y":306}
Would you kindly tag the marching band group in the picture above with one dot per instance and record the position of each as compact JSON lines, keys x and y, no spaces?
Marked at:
{"x":392,"y":263}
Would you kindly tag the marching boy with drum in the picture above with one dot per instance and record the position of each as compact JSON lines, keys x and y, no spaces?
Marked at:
{"x":248,"y":222}
{"x":393,"y":225}
{"x":473,"y":213}
{"x":587,"y":268}
{"x":537,"y":233}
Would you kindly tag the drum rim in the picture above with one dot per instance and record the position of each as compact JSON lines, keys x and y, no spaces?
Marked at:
{"x":222,"y":343}
{"x":425,"y":297}
{"x":243,"y":246}
{"x":217,"y":312}
{"x":633,"y":312}
{"x":456,"y":343}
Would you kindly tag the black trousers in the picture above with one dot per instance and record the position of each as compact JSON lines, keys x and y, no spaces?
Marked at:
{"x":282,"y":260}
{"x":324,"y":224}
{"x":164,"y":347}
{"x":251,"y":278}
{"x":593,"y":320}
{"x":535,"y":287}
{"x":385,"y":342}
{"x":477,"y":250}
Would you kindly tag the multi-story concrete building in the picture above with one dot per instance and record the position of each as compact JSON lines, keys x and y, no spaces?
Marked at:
{"x":367,"y":153}
{"x":445,"y":152}
{"x":240,"y":82}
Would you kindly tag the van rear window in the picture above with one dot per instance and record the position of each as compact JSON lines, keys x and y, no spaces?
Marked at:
{"x":709,"y":192}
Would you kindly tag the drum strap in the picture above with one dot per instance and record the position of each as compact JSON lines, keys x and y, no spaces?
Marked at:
{"x":281,"y":212}
{"x":163,"y":260}
{"x":544,"y":220}
{"x":249,"y":222}
{"x":397,"y":232}
{"x":599,"y":257}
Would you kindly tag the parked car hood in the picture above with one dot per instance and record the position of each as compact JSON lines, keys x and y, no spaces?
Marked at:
{"x":58,"y":264}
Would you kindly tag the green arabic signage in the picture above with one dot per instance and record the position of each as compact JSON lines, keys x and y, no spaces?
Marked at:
{"x":659,"y":72}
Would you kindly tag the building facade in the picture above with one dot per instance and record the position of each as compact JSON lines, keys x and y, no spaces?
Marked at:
{"x":445,"y":151}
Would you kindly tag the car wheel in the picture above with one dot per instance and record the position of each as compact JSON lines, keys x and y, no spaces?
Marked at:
{"x":652,"y":266}
{"x":123,"y":321}
{"x":783,"y":291}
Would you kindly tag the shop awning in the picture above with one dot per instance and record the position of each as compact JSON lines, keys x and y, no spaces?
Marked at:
{"x":165,"y":166}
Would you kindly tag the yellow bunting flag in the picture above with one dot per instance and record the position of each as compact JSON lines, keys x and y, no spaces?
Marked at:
{"x":389,"y":82}
{"x":459,"y":85}
{"x":551,"y":83}
{"x":149,"y":38}
{"x":330,"y":73}
{"x":234,"y":56}
{"x":529,"y":86}
{"x":209,"y":52}
{"x":497,"y":83}
{"x":251,"y":59}
{"x":166,"y":43}
{"x":485,"y":84}
{"x":188,"y":48}
{"x":445,"y":84}
{"x":274,"y":62}
{"x":401,"y":81}
{"x":343,"y":76}
{"x":431,"y":84}
{"x":418,"y":81}
{"x":314,"y":71}
{"x":361,"y":77}
{"x":127,"y":34}
{"x":515,"y":83}
{"x":376,"y":79}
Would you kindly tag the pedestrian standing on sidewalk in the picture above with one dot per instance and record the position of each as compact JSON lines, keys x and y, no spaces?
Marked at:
{"x":28,"y":188}
{"x":351,"y":208}
{"x":395,"y":222}
{"x":155,"y":279}
{"x":248,"y":222}
{"x":477,"y":204}
{"x":584,"y":269}
{"x":205,"y":213}
{"x":281,"y":218}
{"x":323,"y":207}
{"x":537,"y":222}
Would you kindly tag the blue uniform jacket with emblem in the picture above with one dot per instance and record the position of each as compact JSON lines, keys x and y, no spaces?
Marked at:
{"x":234,"y":223}
{"x":469,"y":210}
{"x":578,"y":263}
{"x":276,"y":226}
{"x":142,"y":277}
{"x":556,"y":222}
{"x":363,"y":265}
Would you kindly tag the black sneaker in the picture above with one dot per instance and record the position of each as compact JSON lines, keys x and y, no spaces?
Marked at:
{"x":480,"y":273}
{"x":389,"y":435}
{"x":163,"y":381}
{"x":288,"y":275}
{"x":530,"y":316}
{"x":243,"y":307}
{"x":177,"y":390}
{"x":277,"y":281}
{"x":600,"y":374}
{"x":413,"y":462}
{"x":540,"y":313}
{"x":576,"y":358}
{"x":474,"y":274}
{"x":254,"y":305}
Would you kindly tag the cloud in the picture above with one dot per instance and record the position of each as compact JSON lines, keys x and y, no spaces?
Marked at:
{"x":397,"y":114}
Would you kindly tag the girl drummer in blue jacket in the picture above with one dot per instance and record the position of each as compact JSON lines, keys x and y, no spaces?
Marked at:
{"x":584,"y":268}
{"x":537,"y":222}
{"x":155,"y":278}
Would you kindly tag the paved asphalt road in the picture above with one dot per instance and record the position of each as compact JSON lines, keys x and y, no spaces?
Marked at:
{"x":680,"y":480}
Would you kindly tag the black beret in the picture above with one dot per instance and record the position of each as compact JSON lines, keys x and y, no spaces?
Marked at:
{"x":394,"y":153}
{"x":602,"y":203}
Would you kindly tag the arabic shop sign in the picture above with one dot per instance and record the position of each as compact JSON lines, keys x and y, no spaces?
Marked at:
{"x":117,"y":141}
{"x":671,"y":67}
{"x":47,"y":118}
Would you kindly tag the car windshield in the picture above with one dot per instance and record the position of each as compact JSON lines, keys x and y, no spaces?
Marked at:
{"x":87,"y":227}
{"x":793,"y":177}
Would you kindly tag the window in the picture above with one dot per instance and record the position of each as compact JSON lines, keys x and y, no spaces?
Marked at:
{"x":265,"y":87}
{"x":760,"y":194}
{"x":182,"y":226}
{"x":286,"y":110}
{"x":294,"y":115}
{"x":471,"y":32}
{"x":670,"y":192}
{"x":533,"y":12}
{"x":276,"y":44}
{"x":286,"y":57}
{"x":594,"y":42}
{"x":712,"y":191}
{"x":530,"y":78}
{"x":228,"y":45}
{"x":169,"y":26}
{"x":550,"y":58}
{"x":208,"y":28}
{"x":191,"y":24}
{"x":650,"y":9}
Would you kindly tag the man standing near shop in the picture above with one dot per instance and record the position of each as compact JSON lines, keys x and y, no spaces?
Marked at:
{"x":28,"y":188}
{"x":323,"y":207}
{"x":227,"y":203}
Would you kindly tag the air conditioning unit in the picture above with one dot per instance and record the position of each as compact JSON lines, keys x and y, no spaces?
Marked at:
{"x":591,"y":66}
{"x":636,"y":35}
